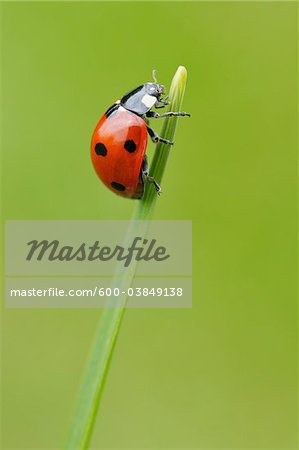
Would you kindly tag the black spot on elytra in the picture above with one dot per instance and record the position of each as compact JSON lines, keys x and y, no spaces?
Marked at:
{"x":118,"y":186}
{"x":100,"y":149}
{"x":130,"y":146}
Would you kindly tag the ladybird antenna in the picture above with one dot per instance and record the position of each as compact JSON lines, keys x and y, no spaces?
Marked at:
{"x":154,"y":75}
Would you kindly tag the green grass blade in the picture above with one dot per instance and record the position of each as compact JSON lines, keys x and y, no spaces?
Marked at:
{"x":162,"y":151}
{"x":108,"y":329}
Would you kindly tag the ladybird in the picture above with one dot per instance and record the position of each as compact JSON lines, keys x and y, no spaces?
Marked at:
{"x":119,"y":140}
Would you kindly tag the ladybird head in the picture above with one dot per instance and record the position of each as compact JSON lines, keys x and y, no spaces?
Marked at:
{"x":155,"y":89}
{"x":144,"y":97}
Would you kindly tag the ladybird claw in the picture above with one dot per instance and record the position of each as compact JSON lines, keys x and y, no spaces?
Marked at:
{"x":166,"y":141}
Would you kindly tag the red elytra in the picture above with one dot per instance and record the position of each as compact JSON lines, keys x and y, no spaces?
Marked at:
{"x":118,"y":147}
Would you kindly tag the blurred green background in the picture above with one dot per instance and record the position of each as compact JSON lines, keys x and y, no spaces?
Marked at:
{"x":223,"y":374}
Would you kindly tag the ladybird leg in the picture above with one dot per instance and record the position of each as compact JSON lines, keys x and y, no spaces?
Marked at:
{"x":155,"y":115}
{"x":157,"y":186}
{"x":146,"y":177}
{"x":157,"y":106}
{"x":155,"y":138}
{"x":152,"y":114}
{"x":161,"y":104}
{"x":144,"y":166}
